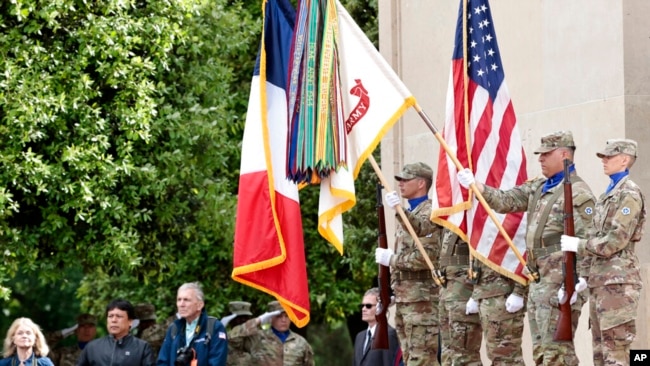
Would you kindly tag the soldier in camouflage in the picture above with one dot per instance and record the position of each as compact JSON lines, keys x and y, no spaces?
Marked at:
{"x":277,"y":345}
{"x":239,"y":349}
{"x":460,"y":331}
{"x":416,"y":294}
{"x":543,"y":201}
{"x":613,"y":279}
{"x":148,"y":330}
{"x":85,"y":330}
{"x":500,"y":303}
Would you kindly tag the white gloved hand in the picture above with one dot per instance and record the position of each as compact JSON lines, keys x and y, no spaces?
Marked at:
{"x":67,"y":331}
{"x":392,"y":199}
{"x":471,"y":307}
{"x":581,"y":285}
{"x":569,"y":243}
{"x":465,"y":178}
{"x":514,"y":303}
{"x":135,"y":323}
{"x":266,"y":317}
{"x":561,"y":296}
{"x":382,"y":256}
{"x":226,"y":319}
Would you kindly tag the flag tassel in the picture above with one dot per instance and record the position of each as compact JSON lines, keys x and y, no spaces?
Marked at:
{"x":531,"y":276}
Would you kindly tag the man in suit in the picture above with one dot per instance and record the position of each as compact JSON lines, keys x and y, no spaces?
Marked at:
{"x":363,"y":354}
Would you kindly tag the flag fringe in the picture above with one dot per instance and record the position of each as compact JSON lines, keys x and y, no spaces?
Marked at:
{"x":350,"y":200}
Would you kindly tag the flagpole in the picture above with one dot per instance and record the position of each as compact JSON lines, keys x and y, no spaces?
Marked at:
{"x":437,"y":276}
{"x":478,"y":194}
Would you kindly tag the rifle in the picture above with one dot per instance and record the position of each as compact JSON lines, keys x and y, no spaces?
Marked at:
{"x":380,"y":341}
{"x":564,"y":328}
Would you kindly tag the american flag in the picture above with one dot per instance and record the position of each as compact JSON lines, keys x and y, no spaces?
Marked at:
{"x":486,"y":141}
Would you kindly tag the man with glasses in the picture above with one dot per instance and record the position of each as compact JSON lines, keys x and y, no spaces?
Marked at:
{"x":363,"y":354}
{"x":416,"y":294}
{"x":119,"y":347}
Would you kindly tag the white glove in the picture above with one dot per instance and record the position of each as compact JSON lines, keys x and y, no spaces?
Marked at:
{"x":514,"y":303}
{"x":581,"y":285}
{"x":226,"y":319}
{"x":561,"y":296}
{"x":471,"y":307}
{"x":135,"y":323}
{"x":465,"y":178}
{"x":382,"y":256}
{"x":569,"y":243}
{"x":67,"y":331}
{"x":266,"y":317}
{"x":392,"y":199}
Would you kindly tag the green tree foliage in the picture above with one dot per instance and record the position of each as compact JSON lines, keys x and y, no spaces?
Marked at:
{"x":120,"y":127}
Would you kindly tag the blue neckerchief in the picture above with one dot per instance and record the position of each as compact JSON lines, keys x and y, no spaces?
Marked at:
{"x":616,"y":177}
{"x":282,"y":335}
{"x":413,"y":203}
{"x":556,"y":179}
{"x":82,"y":344}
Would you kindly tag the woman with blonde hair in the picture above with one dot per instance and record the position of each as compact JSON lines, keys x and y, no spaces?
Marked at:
{"x":25,"y":345}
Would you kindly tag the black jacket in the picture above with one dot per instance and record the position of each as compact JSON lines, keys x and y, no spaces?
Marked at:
{"x":374,"y":357}
{"x":105,"y":351}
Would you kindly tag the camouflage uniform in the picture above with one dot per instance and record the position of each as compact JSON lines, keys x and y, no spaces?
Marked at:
{"x":614,"y":279}
{"x":267,"y":349}
{"x":240,"y":349}
{"x":545,"y":226}
{"x":502,"y":330}
{"x":67,"y":356}
{"x":416,"y":294}
{"x":154,"y":334}
{"x":460,"y":333}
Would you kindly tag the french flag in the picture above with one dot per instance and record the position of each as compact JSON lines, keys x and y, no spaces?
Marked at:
{"x":269,"y":252}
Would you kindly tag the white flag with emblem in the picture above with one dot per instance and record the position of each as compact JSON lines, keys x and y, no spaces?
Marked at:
{"x":374,"y":99}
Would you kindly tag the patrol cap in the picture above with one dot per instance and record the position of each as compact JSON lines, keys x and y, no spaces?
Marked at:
{"x":618,"y":146}
{"x":145,"y":312}
{"x":275,"y":305}
{"x":240,"y":308}
{"x":554,"y":140}
{"x":84,"y":319}
{"x":415,"y":170}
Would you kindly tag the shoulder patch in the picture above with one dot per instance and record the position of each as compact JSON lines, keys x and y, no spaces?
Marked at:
{"x":589,"y":210}
{"x":625,"y":211}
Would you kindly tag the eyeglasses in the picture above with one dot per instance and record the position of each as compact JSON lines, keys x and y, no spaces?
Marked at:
{"x":367,"y":306}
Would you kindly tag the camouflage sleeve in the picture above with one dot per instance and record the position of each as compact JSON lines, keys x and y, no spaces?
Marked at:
{"x":583,"y":213}
{"x":409,"y":257}
{"x":421,"y":223}
{"x":309,"y":356}
{"x":519,"y":289}
{"x":511,"y":200}
{"x":248,"y":329}
{"x":621,"y":220}
{"x":52,"y":338}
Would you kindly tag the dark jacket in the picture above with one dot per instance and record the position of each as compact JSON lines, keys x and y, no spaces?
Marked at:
{"x":13,"y":360}
{"x":106,"y":351}
{"x":211,"y":349}
{"x":375,"y":357}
